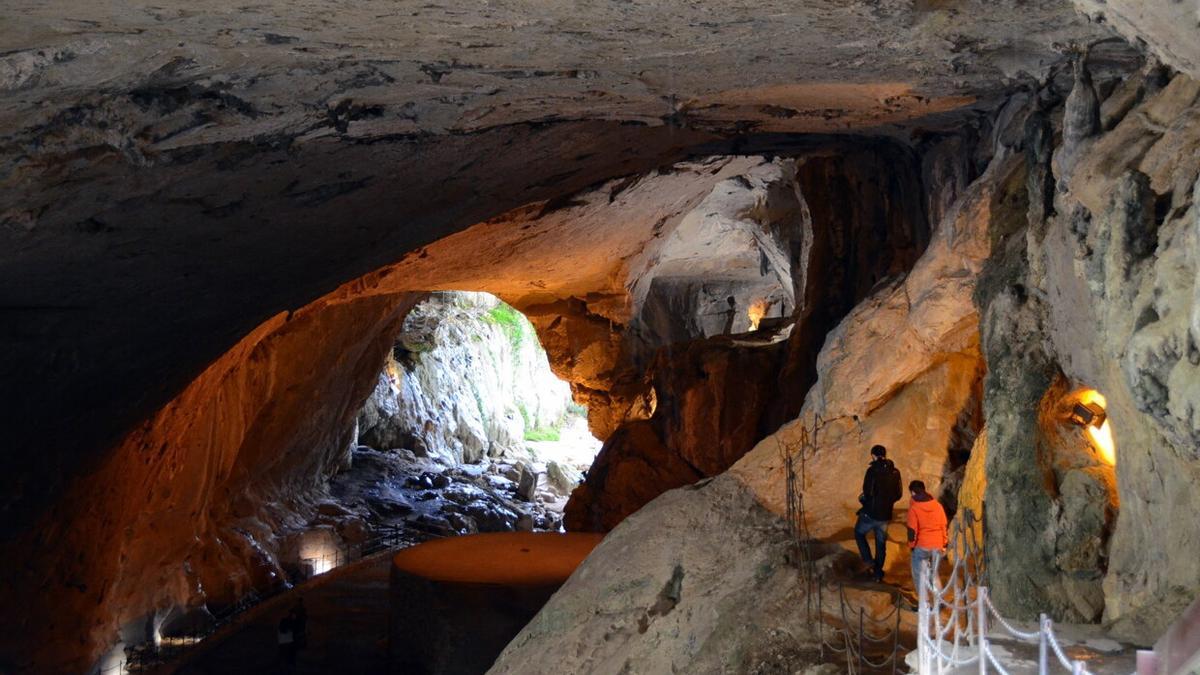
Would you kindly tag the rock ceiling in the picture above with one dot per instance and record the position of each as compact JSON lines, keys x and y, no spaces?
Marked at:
{"x":173,"y":174}
{"x":379,"y":68}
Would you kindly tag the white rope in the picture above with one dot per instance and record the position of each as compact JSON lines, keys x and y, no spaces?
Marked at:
{"x":992,"y":658}
{"x":954,"y":596}
{"x":948,"y":660}
{"x":1020,"y":635}
{"x":1073,"y":666}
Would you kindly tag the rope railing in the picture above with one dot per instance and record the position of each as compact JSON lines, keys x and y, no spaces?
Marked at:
{"x":966,"y":605}
{"x":952,"y":616}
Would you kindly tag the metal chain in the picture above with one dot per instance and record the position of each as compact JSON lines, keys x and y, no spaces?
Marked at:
{"x":853,"y":639}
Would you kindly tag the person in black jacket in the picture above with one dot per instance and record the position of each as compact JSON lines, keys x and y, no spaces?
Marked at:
{"x":881,"y":489}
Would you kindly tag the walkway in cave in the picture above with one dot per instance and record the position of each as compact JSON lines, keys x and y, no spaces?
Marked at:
{"x":347,"y":628}
{"x":348,"y":619}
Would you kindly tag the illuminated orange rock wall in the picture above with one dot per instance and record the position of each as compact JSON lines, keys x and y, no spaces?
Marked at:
{"x":187,"y":508}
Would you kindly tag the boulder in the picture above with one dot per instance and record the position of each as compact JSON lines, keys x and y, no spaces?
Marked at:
{"x":562,"y":478}
{"x":528,"y":482}
{"x":697,"y":581}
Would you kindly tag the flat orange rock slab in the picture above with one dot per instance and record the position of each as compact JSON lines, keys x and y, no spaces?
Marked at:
{"x":502,"y":558}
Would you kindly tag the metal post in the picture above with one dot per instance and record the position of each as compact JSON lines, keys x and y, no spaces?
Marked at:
{"x":821,"y":617}
{"x":958,"y":599}
{"x":935,"y":605}
{"x":860,"y":637}
{"x":896,"y":634}
{"x":1043,"y":645}
{"x":981,"y":626}
{"x":922,"y":624}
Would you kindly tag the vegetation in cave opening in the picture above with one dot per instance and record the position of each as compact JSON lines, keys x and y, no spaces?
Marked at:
{"x":513,"y":323}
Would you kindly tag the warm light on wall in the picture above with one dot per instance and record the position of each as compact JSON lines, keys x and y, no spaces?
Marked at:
{"x":320,"y":565}
{"x":758,"y":309}
{"x":320,"y":552}
{"x":1102,"y":439}
{"x":1097,"y":426}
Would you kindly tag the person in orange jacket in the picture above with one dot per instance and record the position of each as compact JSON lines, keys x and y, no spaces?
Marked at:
{"x":926,"y":528}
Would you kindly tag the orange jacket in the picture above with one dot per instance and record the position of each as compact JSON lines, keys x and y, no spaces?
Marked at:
{"x":927,"y":524}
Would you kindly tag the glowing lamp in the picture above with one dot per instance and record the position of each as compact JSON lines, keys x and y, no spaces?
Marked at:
{"x":756,"y":312}
{"x":1088,"y":414}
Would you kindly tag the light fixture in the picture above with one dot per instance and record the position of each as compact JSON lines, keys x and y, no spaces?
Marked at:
{"x":756,"y":312}
{"x":1088,"y":414}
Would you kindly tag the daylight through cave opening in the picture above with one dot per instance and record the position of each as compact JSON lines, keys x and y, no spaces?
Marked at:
{"x":470,"y":422}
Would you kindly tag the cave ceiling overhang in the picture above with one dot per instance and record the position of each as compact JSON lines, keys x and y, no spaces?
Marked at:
{"x":174,"y":174}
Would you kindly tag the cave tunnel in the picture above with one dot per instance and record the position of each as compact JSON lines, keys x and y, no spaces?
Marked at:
{"x":555,"y":339}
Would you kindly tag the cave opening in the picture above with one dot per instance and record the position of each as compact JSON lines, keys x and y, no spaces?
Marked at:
{"x":468,"y":429}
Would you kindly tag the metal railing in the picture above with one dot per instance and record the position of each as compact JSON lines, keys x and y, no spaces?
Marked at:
{"x":143,"y":657}
{"x":854,"y":635}
{"x":384,"y":538}
{"x":853,"y":639}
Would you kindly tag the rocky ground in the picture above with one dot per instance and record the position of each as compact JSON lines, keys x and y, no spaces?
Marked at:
{"x":397,"y":488}
{"x":467,"y":430}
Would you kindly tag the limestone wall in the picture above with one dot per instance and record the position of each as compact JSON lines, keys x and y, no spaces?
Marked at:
{"x":1104,"y":291}
{"x":1059,"y":269}
{"x":467,"y":380}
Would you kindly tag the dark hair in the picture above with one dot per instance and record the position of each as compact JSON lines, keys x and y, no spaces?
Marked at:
{"x":879,"y":451}
{"x":917,"y":486}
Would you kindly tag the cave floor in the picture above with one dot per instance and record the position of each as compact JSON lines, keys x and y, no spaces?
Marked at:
{"x":347,"y":628}
{"x":1099,"y":654}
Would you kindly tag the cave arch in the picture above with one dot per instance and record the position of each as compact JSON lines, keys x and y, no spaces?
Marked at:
{"x":262,"y":423}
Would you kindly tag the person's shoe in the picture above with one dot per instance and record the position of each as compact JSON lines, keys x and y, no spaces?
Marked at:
{"x":878,"y":577}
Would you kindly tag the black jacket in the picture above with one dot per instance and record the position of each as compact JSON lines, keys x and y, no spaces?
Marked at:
{"x":876,"y":501}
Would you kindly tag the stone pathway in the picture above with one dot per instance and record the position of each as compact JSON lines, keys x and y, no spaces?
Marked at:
{"x":347,"y":628}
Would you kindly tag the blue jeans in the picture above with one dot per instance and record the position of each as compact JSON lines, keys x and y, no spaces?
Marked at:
{"x":920,"y":555}
{"x":867,"y":524}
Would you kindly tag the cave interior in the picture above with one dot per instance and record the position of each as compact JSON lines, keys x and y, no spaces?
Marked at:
{"x":497,"y":332}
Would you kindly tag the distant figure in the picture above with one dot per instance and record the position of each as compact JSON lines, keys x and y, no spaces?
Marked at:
{"x":287,"y":643}
{"x":881,"y":490}
{"x":300,"y":624}
{"x":926,"y":528}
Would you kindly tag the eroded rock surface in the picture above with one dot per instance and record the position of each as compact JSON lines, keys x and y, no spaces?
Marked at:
{"x":211,"y":222}
{"x":708,"y":592}
{"x":194,"y":504}
{"x":1098,"y":291}
{"x":466,"y":381}
{"x":156,"y":157}
{"x":1105,"y":292}
{"x":1168,"y":27}
{"x":821,"y":233}
{"x":902,"y":370}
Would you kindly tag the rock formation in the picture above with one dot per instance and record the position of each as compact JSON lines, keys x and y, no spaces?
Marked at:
{"x":470,"y":382}
{"x":1102,"y":297}
{"x":827,"y":230}
{"x":711,"y":591}
{"x":1107,"y":296}
{"x":897,"y":222}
